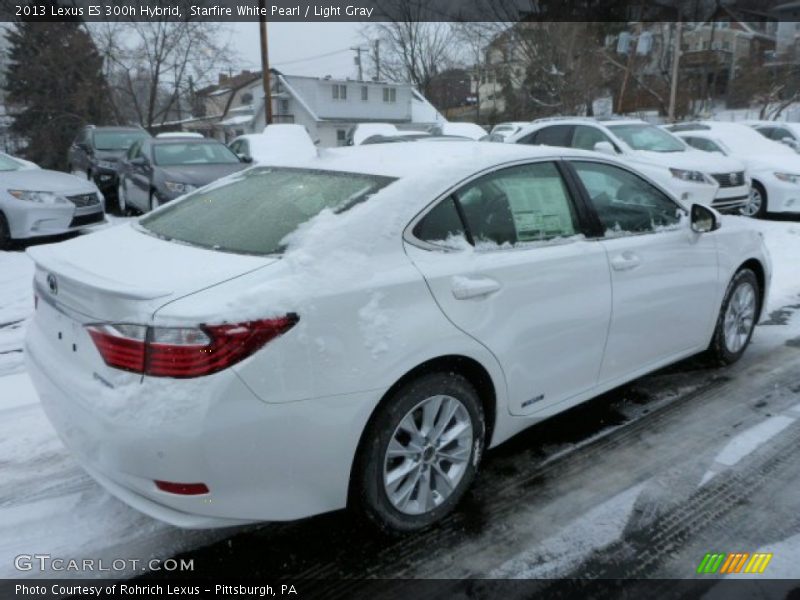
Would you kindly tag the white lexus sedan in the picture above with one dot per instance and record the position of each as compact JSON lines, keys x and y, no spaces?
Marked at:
{"x":356,"y":330}
{"x":773,"y":167}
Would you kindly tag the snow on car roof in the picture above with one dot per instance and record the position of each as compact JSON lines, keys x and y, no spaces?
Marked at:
{"x":409,"y":159}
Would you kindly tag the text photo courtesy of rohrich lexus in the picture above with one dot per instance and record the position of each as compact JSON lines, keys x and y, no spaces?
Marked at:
{"x":497,"y":292}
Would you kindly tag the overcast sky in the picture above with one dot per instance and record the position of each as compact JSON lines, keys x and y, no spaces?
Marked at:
{"x":290,"y":44}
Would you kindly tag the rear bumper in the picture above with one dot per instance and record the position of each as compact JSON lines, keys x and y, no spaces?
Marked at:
{"x":261,"y":462}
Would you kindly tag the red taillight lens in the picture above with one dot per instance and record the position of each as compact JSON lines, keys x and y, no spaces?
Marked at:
{"x":184,"y":489}
{"x":182,"y":352}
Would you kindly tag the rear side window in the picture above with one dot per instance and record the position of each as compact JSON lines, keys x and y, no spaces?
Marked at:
{"x":528,"y":203}
{"x":441,"y":224}
{"x":254,"y":211}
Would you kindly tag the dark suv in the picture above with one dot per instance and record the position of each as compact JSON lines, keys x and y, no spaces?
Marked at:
{"x":96,"y":153}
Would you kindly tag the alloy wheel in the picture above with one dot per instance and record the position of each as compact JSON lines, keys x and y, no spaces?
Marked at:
{"x":740,"y":317}
{"x":754,"y":202}
{"x":428,"y":455}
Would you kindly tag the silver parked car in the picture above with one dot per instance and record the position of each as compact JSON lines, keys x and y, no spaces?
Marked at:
{"x":40,"y":202}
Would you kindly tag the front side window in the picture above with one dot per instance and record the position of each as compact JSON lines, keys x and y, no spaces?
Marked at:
{"x":646,"y":137}
{"x":704,"y":144}
{"x":624,"y":202}
{"x":133,"y":151}
{"x":193,"y":154}
{"x":585,"y":137}
{"x":529,"y":203}
{"x":255,"y":211}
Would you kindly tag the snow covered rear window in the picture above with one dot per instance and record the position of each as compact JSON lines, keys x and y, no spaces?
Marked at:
{"x":647,"y":137}
{"x":255,"y":211}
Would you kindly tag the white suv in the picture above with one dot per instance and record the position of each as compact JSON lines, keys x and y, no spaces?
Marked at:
{"x":694,"y":176}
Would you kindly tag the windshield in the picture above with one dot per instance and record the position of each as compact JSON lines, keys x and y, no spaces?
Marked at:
{"x":117,"y":140}
{"x":9,"y":164}
{"x":193,"y":153}
{"x":647,"y":137}
{"x":256,"y":210}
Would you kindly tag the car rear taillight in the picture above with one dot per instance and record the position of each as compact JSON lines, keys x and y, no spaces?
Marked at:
{"x":182,"y":352}
{"x":182,"y":489}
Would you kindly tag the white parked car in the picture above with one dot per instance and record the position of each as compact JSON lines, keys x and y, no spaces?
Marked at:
{"x":508,"y":128}
{"x":276,"y":144}
{"x":773,"y":167}
{"x":708,"y":179}
{"x":785,"y":132}
{"x":355,"y":331}
{"x":470,"y":131}
{"x":38,"y":202}
{"x":179,"y":134}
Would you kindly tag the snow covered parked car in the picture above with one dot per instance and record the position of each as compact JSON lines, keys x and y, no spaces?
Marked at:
{"x":708,"y":179}
{"x":356,"y":330}
{"x":773,"y":167}
{"x":277,"y":143}
{"x":470,"y":131}
{"x":787,"y":133}
{"x":38,"y":202}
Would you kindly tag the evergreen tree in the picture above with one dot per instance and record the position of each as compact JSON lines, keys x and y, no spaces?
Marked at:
{"x":55,"y":79}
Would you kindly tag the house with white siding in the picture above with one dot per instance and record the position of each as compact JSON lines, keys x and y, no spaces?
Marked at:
{"x":327,"y":107}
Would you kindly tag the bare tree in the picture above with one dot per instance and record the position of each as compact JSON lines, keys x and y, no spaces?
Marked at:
{"x":153,"y":66}
{"x":412,"y":50}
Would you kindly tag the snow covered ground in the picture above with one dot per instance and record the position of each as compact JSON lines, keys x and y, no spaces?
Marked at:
{"x":48,"y":505}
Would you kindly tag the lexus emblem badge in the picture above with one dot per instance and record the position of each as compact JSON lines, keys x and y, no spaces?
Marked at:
{"x":52,"y":283}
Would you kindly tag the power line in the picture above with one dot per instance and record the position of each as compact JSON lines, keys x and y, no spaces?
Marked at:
{"x":308,"y":58}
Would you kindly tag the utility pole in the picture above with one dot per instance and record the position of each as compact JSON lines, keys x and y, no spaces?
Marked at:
{"x":676,"y":59}
{"x":262,"y":21}
{"x":358,"y":50}
{"x":377,"y":60}
{"x":629,"y":67}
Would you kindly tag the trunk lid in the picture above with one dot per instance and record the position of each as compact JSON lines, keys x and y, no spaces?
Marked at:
{"x":121,"y":274}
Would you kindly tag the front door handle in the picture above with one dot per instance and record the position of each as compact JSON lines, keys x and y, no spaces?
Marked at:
{"x":626,"y":261}
{"x":465,"y":288}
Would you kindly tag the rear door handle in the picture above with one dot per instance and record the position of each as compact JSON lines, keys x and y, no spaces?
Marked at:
{"x":465,"y":288}
{"x":626,"y":261}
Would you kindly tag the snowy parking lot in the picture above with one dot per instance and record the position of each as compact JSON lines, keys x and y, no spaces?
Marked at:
{"x":639,"y":483}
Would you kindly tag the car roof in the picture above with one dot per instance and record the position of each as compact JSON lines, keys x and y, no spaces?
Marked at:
{"x":115,"y":128}
{"x":406,"y":159}
{"x":548,"y":121}
{"x":183,"y":140}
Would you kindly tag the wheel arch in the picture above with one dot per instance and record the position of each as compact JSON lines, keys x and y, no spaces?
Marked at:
{"x":758,"y":269}
{"x":468,"y":367}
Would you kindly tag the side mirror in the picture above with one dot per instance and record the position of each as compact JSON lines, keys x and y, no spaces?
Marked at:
{"x":138,"y":161}
{"x":244,"y":158}
{"x":605,"y":148}
{"x":703,"y":219}
{"x":790,"y":142}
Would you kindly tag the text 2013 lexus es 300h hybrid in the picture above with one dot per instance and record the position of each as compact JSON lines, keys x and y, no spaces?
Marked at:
{"x":354,"y":330}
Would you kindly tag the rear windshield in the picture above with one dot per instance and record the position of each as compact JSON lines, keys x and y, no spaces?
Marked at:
{"x":117,"y":140}
{"x":193,"y":153}
{"x":258,"y":208}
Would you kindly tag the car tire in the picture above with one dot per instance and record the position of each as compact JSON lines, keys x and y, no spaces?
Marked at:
{"x":122,"y":202}
{"x":431,"y":463}
{"x":5,"y":233}
{"x":757,"y":203}
{"x":737,"y":318}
